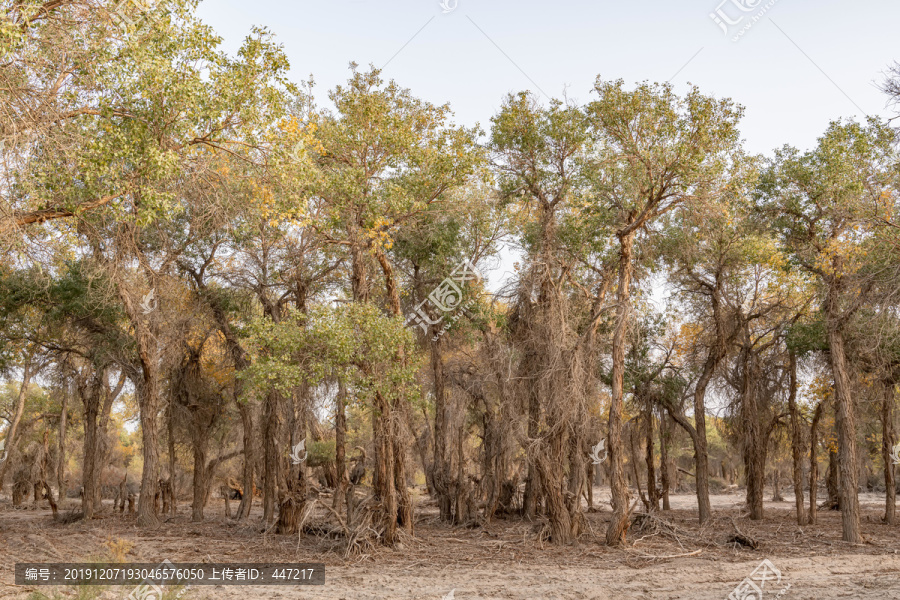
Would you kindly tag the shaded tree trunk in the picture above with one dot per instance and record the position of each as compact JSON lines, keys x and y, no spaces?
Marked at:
{"x":270,"y":465}
{"x":664,"y":427}
{"x":531,"y":497}
{"x":754,"y":438}
{"x":845,"y":422}
{"x":90,"y":476}
{"x":814,"y":463}
{"x":146,"y":511}
{"x":340,"y":447}
{"x":384,"y":489}
{"x":292,"y":501}
{"x":440,"y":468}
{"x":10,"y":440}
{"x":832,"y":481}
{"x":104,"y":443}
{"x":652,"y":490}
{"x":247,"y":483}
{"x":887,"y":443}
{"x":200,"y":442}
{"x":796,"y":442}
{"x":615,"y":533}
{"x":172,"y":459}
{"x":61,"y":447}
{"x":404,"y":501}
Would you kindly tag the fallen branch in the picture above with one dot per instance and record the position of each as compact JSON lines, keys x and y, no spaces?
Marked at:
{"x":694,"y":553}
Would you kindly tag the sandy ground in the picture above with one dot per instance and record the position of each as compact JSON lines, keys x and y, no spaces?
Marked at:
{"x":506,"y":559}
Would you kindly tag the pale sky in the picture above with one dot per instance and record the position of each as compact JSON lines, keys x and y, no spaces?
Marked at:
{"x":800,"y":65}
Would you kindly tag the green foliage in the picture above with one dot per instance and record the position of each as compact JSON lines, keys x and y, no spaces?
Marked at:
{"x":320,"y":453}
{"x":372,"y":353}
{"x":809,"y":336}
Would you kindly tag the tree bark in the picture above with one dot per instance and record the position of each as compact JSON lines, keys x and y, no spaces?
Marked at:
{"x":615,"y":534}
{"x":90,"y":477}
{"x":61,"y":448}
{"x":172,"y":457}
{"x":270,"y":467}
{"x":404,"y":500}
{"x":293,"y":499}
{"x":384,"y":489}
{"x":440,"y":468}
{"x":833,"y":481}
{"x":104,"y":444}
{"x":814,"y":463}
{"x":887,"y":443}
{"x":340,"y":431}
{"x":664,"y":426}
{"x":148,"y":395}
{"x":531,"y":497}
{"x":845,"y":421}
{"x":246,"y":504}
{"x":796,"y":441}
{"x":652,"y":490}
{"x":199,"y":444}
{"x":754,"y":438}
{"x":10,"y":441}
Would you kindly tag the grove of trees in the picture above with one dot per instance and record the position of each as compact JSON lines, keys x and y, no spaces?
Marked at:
{"x":208,"y":271}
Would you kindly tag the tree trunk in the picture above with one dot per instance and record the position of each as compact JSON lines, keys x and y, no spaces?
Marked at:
{"x":394,"y":425}
{"x":440,"y":468}
{"x":462,"y":514}
{"x":664,"y":426}
{"x":701,"y":454}
{"x":270,"y":468}
{"x":147,"y":388}
{"x":10,"y":440}
{"x":796,"y":442}
{"x":61,"y":448}
{"x":246,"y":504}
{"x":90,"y":477}
{"x":340,"y":451}
{"x":172,"y":458}
{"x":104,"y":443}
{"x":754,"y":438}
{"x":615,"y":534}
{"x":577,"y":481}
{"x":635,"y":461}
{"x":404,"y":501}
{"x":814,"y":463}
{"x":200,"y":483}
{"x":531,"y":497}
{"x":652,"y":490}
{"x":384,"y":489}
{"x":833,"y":481}
{"x":293,"y":498}
{"x":887,"y":443}
{"x":845,"y":421}
{"x":146,"y":510}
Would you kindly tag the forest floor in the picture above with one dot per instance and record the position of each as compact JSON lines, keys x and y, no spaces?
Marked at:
{"x":667,"y":559}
